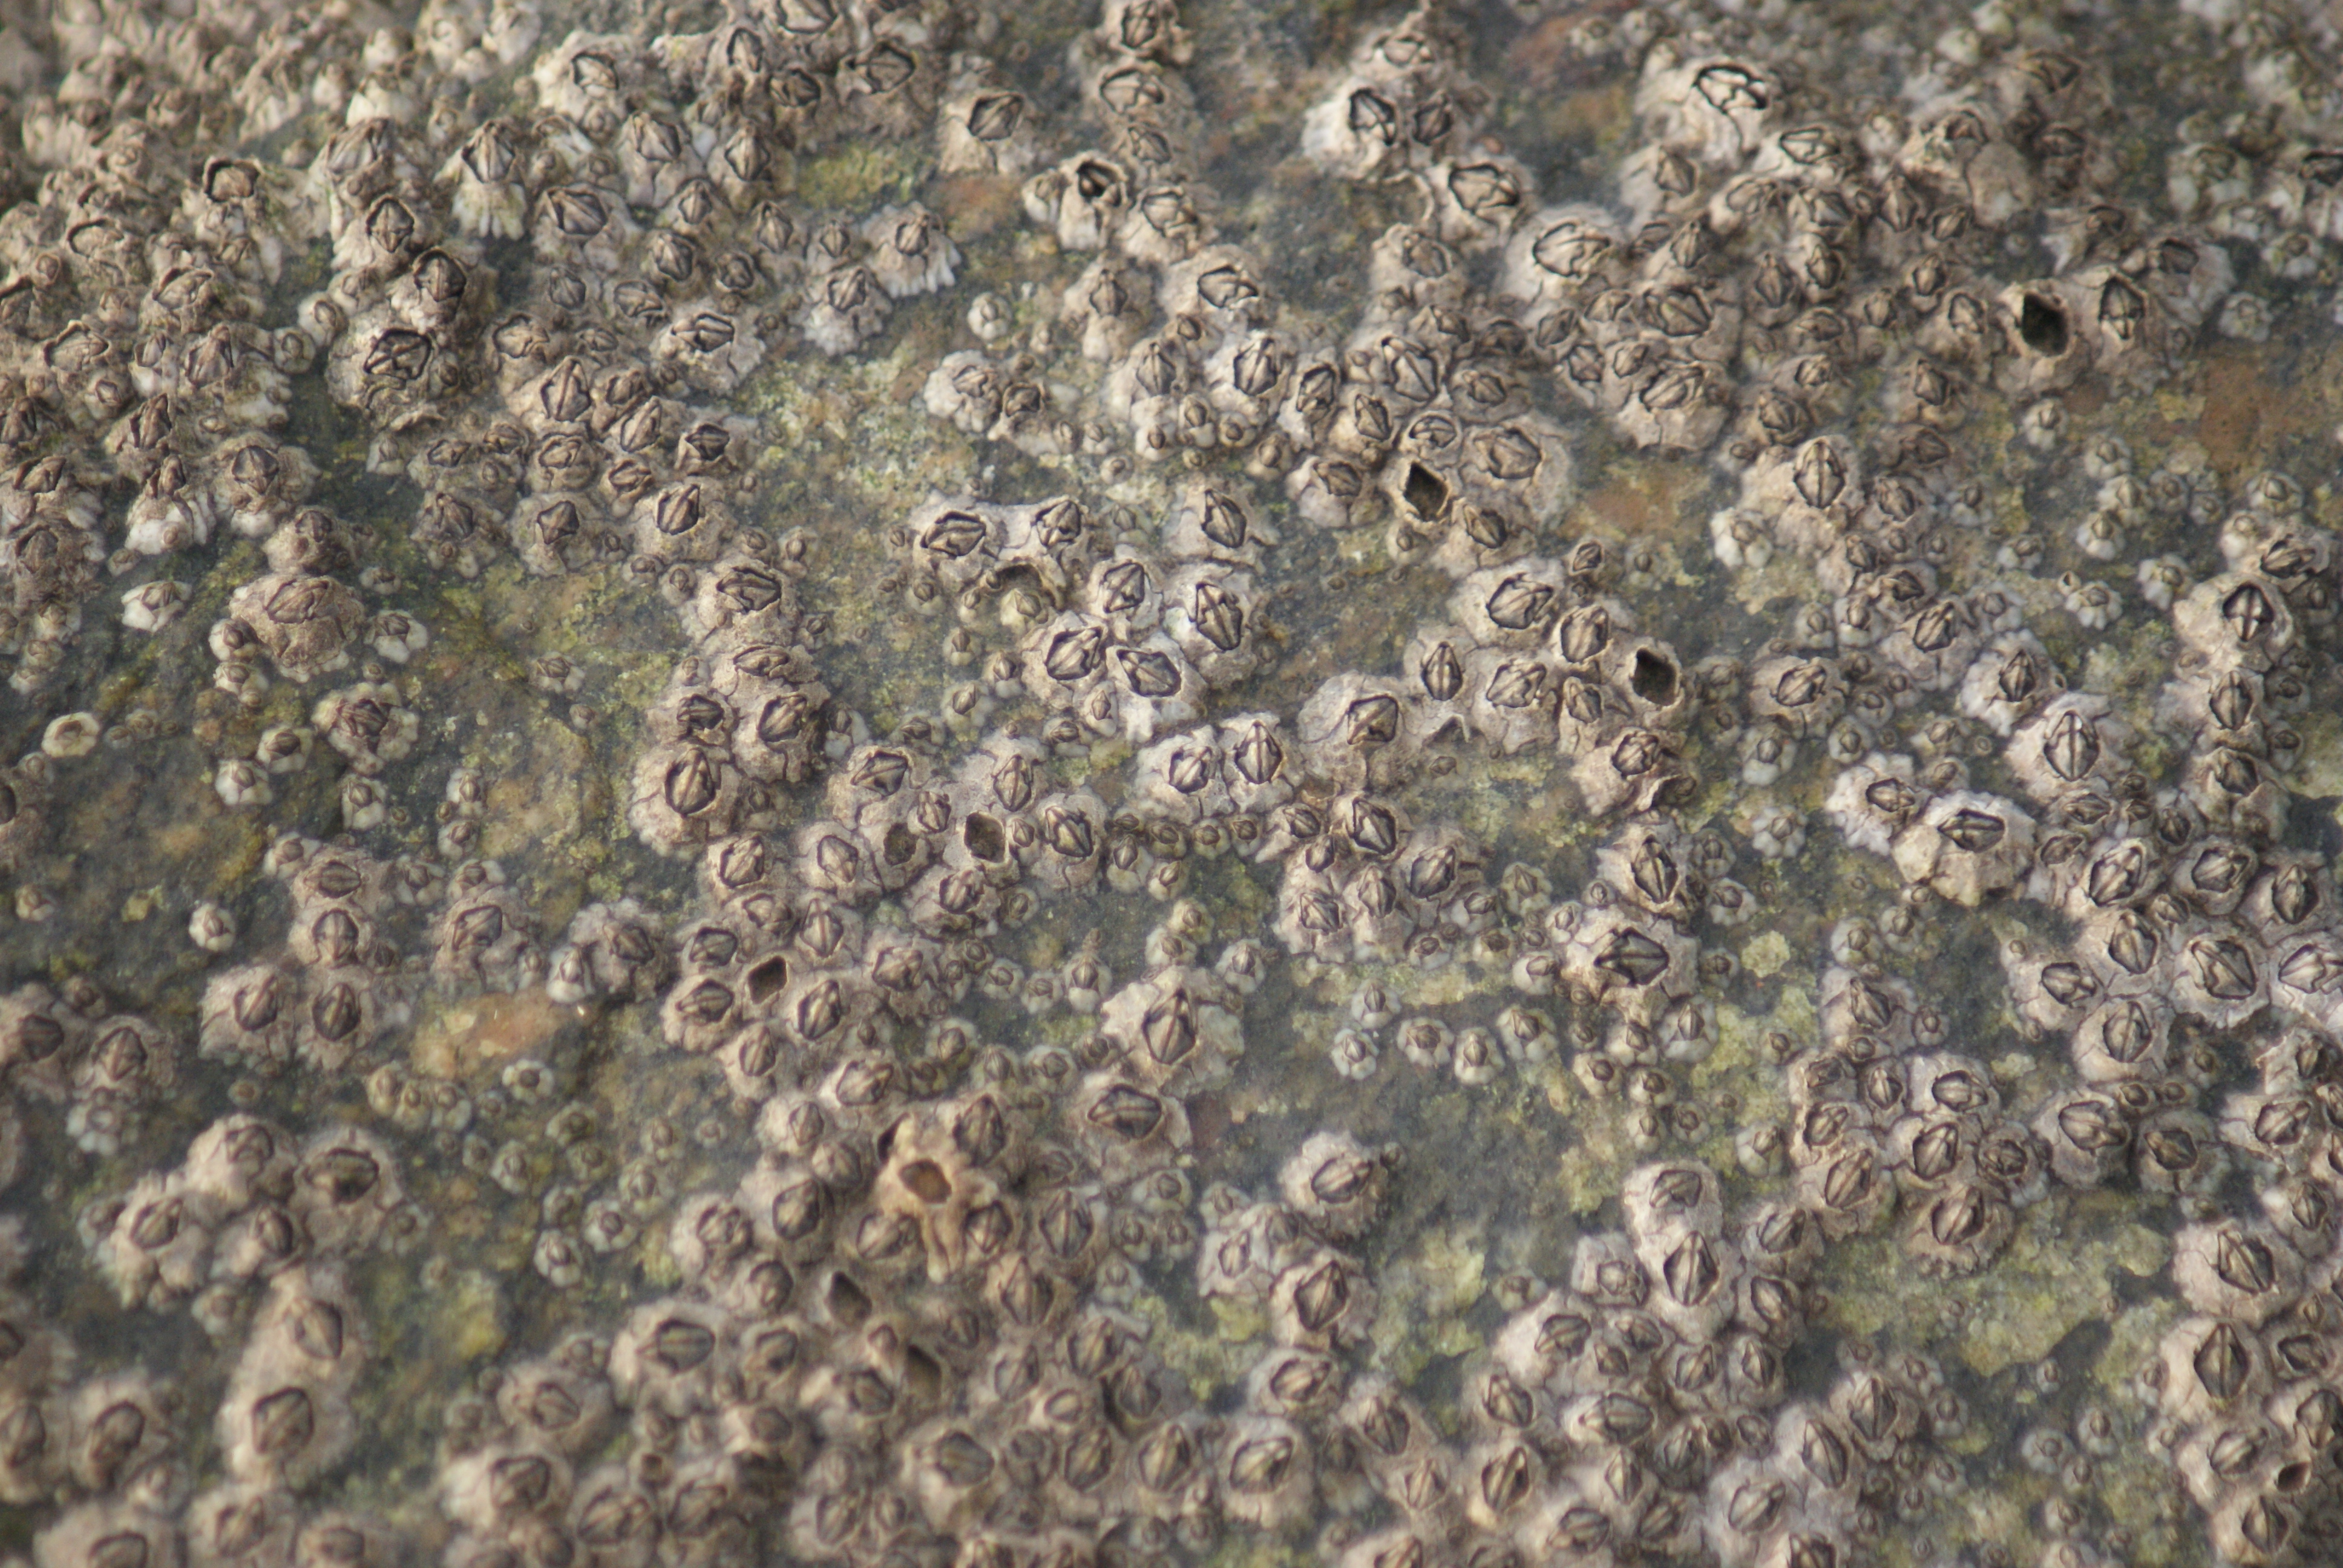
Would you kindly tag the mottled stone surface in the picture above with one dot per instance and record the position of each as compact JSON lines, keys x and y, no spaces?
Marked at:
{"x":922,"y":782}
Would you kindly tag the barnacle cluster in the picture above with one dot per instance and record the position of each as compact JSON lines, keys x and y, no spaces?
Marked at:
{"x":904,"y":781}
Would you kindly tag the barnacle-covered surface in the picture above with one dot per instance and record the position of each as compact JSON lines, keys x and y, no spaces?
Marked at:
{"x":907,"y":781}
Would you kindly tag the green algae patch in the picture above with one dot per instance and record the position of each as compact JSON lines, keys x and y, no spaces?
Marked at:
{"x":1424,"y":1293}
{"x":2003,"y":1515}
{"x":467,"y":1315}
{"x":1249,"y":1550}
{"x":2135,"y":1482}
{"x":1742,"y":1032}
{"x":861,"y":174}
{"x":2320,"y":775}
{"x":545,"y":794}
{"x":1589,"y":1172}
{"x":2058,"y":1273}
{"x":1207,"y":1360}
{"x":1765,"y":955}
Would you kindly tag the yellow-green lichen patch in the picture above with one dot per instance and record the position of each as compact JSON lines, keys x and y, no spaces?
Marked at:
{"x":470,"y":1315}
{"x":1248,"y":1550}
{"x":2136,"y":1481}
{"x":548,"y":794}
{"x":2001,"y":1516}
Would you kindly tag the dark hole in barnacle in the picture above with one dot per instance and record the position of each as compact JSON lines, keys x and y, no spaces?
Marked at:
{"x":2042,"y":326}
{"x":984,"y":837}
{"x":1425,"y":492}
{"x":769,"y":978}
{"x":923,"y":1375}
{"x":849,"y":1302}
{"x":1654,"y":679}
{"x":926,"y":1180}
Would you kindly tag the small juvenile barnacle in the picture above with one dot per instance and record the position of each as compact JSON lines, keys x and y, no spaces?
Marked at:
{"x":2234,"y":620}
{"x":285,"y":1433}
{"x":2218,"y":977}
{"x":155,"y":1245}
{"x":485,"y":935}
{"x":309,"y":1329}
{"x":242,"y":1523}
{"x":1849,"y":1186}
{"x":2122,"y":1039}
{"x":302,"y":622}
{"x":1582,"y":636}
{"x":845,"y":308}
{"x":1219,"y":524}
{"x":506,"y":1488}
{"x":717,"y":345}
{"x":2009,"y":679}
{"x":2179,"y":1152}
{"x":966,"y":388}
{"x":1334,"y":1185}
{"x":1958,"y":1230}
{"x":683,"y":796}
{"x":369,"y":723}
{"x":1153,"y":685}
{"x":1183,"y":774}
{"x":2067,"y":742}
{"x":1266,"y":1473}
{"x":2291,"y":896}
{"x":1082,"y":201}
{"x":982,"y":125}
{"x":1217,"y":285}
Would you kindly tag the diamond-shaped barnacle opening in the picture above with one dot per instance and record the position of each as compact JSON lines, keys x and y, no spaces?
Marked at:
{"x":957,"y":541}
{"x":1350,"y":725}
{"x":1186,"y":774}
{"x":1512,"y":605}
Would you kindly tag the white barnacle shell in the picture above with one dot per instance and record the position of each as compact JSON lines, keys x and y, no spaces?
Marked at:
{"x":1965,"y":846}
{"x":1715,"y":109}
{"x":909,"y":252}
